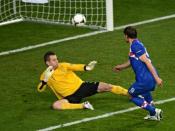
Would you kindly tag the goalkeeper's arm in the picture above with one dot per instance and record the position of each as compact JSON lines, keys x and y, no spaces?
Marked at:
{"x":90,"y":66}
{"x":47,"y":74}
{"x":81,"y":67}
{"x":41,"y":86}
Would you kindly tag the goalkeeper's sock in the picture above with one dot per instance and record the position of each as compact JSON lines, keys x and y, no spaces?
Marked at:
{"x":119,"y":90}
{"x":66,"y":105}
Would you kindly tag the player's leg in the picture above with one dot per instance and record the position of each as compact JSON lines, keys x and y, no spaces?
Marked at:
{"x":87,"y":89}
{"x":135,"y":92}
{"x":148,"y":97}
{"x":104,"y":87}
{"x":65,"y":104}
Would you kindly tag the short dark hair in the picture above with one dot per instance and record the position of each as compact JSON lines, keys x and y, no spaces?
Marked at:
{"x":131,"y":32}
{"x":47,"y":55}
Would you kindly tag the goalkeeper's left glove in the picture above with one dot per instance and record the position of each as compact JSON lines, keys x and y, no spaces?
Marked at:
{"x":47,"y":74}
{"x":91,"y":65}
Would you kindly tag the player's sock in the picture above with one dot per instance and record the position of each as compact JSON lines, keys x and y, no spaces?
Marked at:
{"x":148,"y":97}
{"x":66,"y":105}
{"x":119,"y":90}
{"x":143,"y":104}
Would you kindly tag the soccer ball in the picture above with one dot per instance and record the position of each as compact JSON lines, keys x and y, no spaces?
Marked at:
{"x":79,"y":20}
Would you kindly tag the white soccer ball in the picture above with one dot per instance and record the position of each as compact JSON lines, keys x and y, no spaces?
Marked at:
{"x":79,"y":20}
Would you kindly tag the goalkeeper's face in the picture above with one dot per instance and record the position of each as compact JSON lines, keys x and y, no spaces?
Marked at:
{"x":53,"y":61}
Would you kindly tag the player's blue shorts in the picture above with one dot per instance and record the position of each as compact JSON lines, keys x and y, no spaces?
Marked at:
{"x":141,"y":88}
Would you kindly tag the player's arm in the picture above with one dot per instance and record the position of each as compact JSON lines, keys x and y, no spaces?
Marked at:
{"x":82,"y":67}
{"x":46,"y":75}
{"x":148,"y":63}
{"x":75,"y":67}
{"x":120,"y":67}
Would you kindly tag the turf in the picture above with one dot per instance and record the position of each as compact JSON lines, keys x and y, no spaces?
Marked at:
{"x":132,"y":121}
{"x":23,"y":108}
{"x":125,"y":12}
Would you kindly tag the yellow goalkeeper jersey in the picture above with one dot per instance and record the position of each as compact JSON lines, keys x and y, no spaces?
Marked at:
{"x":64,"y":81}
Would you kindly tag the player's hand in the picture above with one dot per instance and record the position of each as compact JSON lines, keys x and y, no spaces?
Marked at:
{"x":91,"y":65}
{"x":159,"y":82}
{"x":117,"y":68}
{"x":48,"y":73}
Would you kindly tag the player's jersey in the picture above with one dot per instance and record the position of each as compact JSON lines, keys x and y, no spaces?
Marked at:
{"x":143,"y":75}
{"x":64,"y":81}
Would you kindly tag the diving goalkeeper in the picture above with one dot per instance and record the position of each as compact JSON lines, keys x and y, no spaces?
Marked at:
{"x":68,"y":87}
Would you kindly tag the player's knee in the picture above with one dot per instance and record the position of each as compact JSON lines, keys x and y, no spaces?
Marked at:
{"x":108,"y":87}
{"x":56,"y":105}
{"x":103,"y":87}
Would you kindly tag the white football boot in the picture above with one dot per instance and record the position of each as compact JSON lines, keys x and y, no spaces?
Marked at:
{"x":158,"y":114}
{"x":87,"y":105}
{"x":153,"y":118}
{"x":156,"y":117}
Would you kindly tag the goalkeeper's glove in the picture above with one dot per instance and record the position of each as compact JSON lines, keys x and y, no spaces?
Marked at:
{"x":91,"y":65}
{"x":48,"y":73}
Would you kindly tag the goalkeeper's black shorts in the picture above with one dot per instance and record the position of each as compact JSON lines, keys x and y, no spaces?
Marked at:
{"x":86,"y":89}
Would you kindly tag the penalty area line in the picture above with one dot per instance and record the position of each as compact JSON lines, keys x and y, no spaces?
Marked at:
{"x":88,"y":119}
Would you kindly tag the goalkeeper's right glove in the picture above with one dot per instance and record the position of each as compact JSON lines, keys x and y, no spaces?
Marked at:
{"x":48,"y":73}
{"x":91,"y":65}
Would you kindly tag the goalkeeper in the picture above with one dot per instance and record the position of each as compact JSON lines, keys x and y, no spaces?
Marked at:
{"x":68,"y":87}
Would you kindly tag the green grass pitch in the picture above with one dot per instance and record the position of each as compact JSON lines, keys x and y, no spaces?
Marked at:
{"x":23,"y":108}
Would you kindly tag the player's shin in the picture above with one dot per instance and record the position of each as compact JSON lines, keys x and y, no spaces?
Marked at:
{"x":119,"y":90}
{"x":143,"y":104}
{"x":147,"y":96}
{"x":66,"y":105}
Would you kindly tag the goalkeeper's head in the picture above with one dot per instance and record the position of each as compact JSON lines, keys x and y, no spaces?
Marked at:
{"x":51,"y":59}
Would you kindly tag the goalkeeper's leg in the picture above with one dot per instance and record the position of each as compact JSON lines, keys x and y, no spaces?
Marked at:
{"x":64,"y":104}
{"x":104,"y":87}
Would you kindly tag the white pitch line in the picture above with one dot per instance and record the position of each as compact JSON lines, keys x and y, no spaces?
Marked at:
{"x":147,"y":21}
{"x":50,"y":43}
{"x":101,"y":116}
{"x":83,"y":35}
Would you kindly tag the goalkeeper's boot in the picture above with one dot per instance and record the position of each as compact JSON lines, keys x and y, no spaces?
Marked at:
{"x":87,"y":105}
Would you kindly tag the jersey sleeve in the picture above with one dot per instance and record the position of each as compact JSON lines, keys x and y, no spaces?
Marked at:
{"x":74,"y":67}
{"x":138,"y":49}
{"x":42,"y":76}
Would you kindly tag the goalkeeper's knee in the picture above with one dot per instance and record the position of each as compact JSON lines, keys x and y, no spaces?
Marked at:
{"x":57,"y":105}
{"x":104,"y":87}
